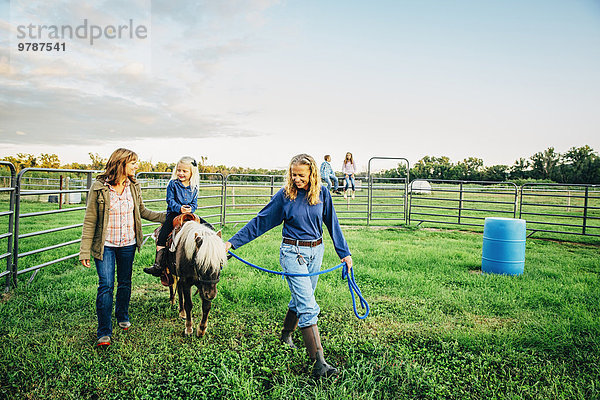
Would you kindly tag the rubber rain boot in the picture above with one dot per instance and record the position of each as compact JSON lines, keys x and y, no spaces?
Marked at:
{"x":312,"y":341}
{"x":157,"y":268}
{"x":289,"y":326}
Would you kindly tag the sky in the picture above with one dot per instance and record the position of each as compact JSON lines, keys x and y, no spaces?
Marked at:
{"x":252,"y":83}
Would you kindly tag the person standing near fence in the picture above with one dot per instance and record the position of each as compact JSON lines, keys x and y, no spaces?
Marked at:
{"x":328,"y":175}
{"x":349,"y":170}
{"x":112,"y":230}
{"x":303,"y":205}
{"x":182,"y":198}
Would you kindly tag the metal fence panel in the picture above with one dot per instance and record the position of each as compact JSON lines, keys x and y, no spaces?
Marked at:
{"x":465,"y":203}
{"x":246,"y":194}
{"x":32,"y":228}
{"x":7,"y":190}
{"x":561,"y":208}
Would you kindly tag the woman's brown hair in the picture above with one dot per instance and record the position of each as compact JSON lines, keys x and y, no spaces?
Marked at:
{"x":115,"y":167}
{"x":314,"y":190}
{"x":351,"y":158}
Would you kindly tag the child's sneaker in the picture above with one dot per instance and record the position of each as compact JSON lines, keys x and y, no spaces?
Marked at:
{"x":103,"y":341}
{"x":124,"y":325}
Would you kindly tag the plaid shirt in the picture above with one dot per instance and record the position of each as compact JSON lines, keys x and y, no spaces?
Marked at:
{"x":120,"y":230}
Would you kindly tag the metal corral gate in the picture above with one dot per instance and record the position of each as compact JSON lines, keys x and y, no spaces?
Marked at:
{"x":384,"y":194}
{"x":461,"y":202}
{"x":27,"y":233}
{"x":574,"y":209}
{"x":8,"y":190}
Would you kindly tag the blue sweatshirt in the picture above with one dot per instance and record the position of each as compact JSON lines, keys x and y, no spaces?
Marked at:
{"x":179,"y":195}
{"x":301,"y":221}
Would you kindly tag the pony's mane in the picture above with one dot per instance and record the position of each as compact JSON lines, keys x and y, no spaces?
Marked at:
{"x":211,"y":254}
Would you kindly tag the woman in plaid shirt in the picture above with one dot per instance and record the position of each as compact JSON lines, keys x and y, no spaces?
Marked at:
{"x":112,"y":230}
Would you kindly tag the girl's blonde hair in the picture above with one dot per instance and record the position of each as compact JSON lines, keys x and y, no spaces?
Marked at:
{"x":314,"y":189}
{"x":193,"y":165}
{"x":115,"y":166}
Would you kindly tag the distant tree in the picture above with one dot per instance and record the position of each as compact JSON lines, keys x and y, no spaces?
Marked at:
{"x":144,"y":166}
{"x":22,"y":160}
{"x":398,"y":172}
{"x":76,"y":165}
{"x":49,"y":161}
{"x":97,"y":162}
{"x":469,"y":169}
{"x":431,"y":167}
{"x":497,"y":173}
{"x":580,"y":165}
{"x":543,"y":164}
{"x":519,"y":169}
{"x":162,"y":167}
{"x":11,"y":159}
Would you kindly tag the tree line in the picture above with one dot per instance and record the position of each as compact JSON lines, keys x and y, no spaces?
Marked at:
{"x":577,"y":165}
{"x":26,"y":160}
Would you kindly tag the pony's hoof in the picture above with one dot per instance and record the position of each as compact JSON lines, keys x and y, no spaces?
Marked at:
{"x":182,"y":314}
{"x":200,"y":332}
{"x":187,"y":332}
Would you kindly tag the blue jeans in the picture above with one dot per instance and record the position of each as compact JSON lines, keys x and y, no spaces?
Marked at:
{"x":303,"y":301}
{"x":123,"y":258}
{"x":328,"y":179}
{"x":351,"y":179}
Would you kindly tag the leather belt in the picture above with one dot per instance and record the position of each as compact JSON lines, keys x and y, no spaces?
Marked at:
{"x":305,"y":243}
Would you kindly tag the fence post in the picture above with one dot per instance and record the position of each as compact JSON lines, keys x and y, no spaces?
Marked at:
{"x":460,"y":200}
{"x":585,"y":208}
{"x":60,"y":195}
{"x":9,"y":272}
{"x":222,"y":217}
{"x":225,"y":200}
{"x":15,"y":263}
{"x":369,"y":197}
{"x":88,"y":184}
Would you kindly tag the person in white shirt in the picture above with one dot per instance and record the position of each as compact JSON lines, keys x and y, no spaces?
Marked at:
{"x":349,"y":169}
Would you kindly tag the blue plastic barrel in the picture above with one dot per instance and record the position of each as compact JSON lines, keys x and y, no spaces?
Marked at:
{"x":503,"y":246}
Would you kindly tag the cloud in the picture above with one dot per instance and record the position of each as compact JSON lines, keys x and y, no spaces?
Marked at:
{"x":155,"y":88}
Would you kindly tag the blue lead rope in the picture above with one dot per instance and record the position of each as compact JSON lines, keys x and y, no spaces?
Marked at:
{"x":352,"y":286}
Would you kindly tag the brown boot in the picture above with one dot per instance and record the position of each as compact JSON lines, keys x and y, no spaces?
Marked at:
{"x":289,"y":325}
{"x":312,"y":341}
{"x":158,"y":267}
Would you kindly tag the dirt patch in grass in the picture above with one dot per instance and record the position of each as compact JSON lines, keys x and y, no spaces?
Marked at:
{"x":5,"y":297}
{"x":146,"y":290}
{"x":490,"y":323}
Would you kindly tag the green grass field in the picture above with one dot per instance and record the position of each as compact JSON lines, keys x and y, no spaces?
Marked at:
{"x":438,"y":329}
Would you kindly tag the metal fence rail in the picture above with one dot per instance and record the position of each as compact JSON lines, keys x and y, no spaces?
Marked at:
{"x":210,"y":194}
{"x":237,"y":198}
{"x":462,"y":202}
{"x":561,"y":208}
{"x":246,"y":194}
{"x":9,"y":189}
{"x":387,"y":200}
{"x":21,"y":215}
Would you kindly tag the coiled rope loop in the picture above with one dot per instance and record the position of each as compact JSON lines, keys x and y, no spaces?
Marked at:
{"x":352,"y":286}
